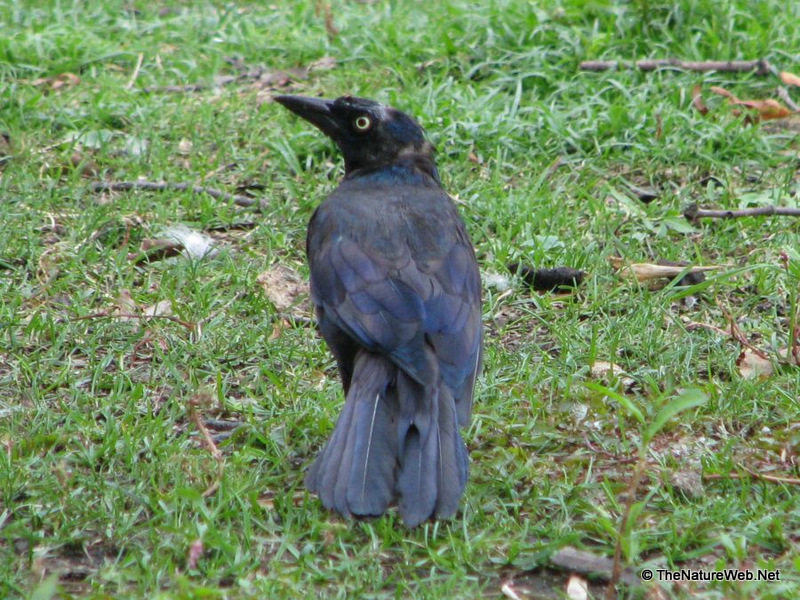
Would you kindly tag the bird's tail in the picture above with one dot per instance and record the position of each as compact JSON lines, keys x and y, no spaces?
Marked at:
{"x":355,"y":473}
{"x":432,"y":457}
{"x":395,"y":439}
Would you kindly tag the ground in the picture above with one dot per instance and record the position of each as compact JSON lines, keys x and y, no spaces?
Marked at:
{"x":157,"y":409}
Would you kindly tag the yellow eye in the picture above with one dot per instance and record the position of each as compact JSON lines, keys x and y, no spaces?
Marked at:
{"x":362,"y":123}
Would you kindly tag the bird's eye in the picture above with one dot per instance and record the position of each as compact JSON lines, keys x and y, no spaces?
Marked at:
{"x":362,"y":123}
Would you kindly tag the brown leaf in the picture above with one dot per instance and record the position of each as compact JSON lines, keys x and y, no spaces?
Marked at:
{"x":602,"y":369}
{"x":162,"y":308}
{"x":87,"y":166}
{"x":326,"y":63}
{"x":57,"y":82}
{"x":283,"y":286}
{"x":722,"y":92}
{"x":697,"y":100}
{"x":790,"y":78}
{"x":752,"y":365}
{"x":126,"y":305}
{"x":195,"y":552}
{"x":647,"y":271}
{"x":767,"y":109}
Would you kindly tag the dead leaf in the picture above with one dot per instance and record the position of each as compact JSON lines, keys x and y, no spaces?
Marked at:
{"x":602,"y":369}
{"x":87,"y":166}
{"x":283,"y":286}
{"x":577,"y":588}
{"x":753,"y":365}
{"x":57,"y":82}
{"x":126,"y":305}
{"x":790,"y":78}
{"x":507,"y":589}
{"x":689,"y":483}
{"x":722,"y":92}
{"x":697,"y":100}
{"x":767,"y":109}
{"x":195,"y":552}
{"x":326,"y":63}
{"x":185,"y":147}
{"x":648,"y":271}
{"x":163,"y":308}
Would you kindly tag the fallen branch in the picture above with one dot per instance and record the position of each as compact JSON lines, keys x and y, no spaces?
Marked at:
{"x":208,"y":442}
{"x":693,"y":212}
{"x":153,"y":186}
{"x":784,"y":95}
{"x":586,"y":563}
{"x":737,"y":334}
{"x":761,"y":66}
{"x":754,"y":475}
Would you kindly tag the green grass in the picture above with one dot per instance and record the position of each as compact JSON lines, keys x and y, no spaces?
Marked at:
{"x":102,"y":471}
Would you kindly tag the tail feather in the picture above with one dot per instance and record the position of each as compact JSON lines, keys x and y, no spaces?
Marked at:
{"x":395,"y":439}
{"x":453,"y":461}
{"x":354,"y":474}
{"x":323,"y":475}
{"x":371,"y":485}
{"x":416,"y":484}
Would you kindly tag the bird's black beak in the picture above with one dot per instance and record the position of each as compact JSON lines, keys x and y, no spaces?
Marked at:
{"x":316,"y":111}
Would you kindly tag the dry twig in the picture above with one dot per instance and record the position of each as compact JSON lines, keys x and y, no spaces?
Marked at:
{"x":136,"y":70}
{"x":586,"y":563}
{"x":737,"y":335}
{"x":754,"y":475}
{"x":761,"y":66}
{"x":787,"y":99}
{"x":153,"y":186}
{"x":208,"y":442}
{"x":694,"y":212}
{"x":616,"y":573}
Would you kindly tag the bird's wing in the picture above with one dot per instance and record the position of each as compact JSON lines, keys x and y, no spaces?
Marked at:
{"x":401,"y":285}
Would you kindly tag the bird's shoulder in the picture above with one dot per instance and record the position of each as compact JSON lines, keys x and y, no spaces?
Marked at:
{"x":386,"y":218}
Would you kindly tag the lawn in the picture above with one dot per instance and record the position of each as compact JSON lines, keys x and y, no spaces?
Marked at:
{"x":162,"y":456}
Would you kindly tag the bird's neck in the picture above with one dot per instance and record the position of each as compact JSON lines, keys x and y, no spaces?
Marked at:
{"x":413,"y":169}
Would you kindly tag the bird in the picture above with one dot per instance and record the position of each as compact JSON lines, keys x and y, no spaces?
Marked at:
{"x":396,"y":289}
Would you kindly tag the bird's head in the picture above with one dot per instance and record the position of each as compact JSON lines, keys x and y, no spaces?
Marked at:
{"x":369,"y":134}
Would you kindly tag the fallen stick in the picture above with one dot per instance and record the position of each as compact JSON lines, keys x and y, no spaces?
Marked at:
{"x":586,"y":563}
{"x":193,"y":405}
{"x":153,"y":186}
{"x":754,"y":475}
{"x":694,"y":212}
{"x":761,"y":66}
{"x":783,"y":94}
